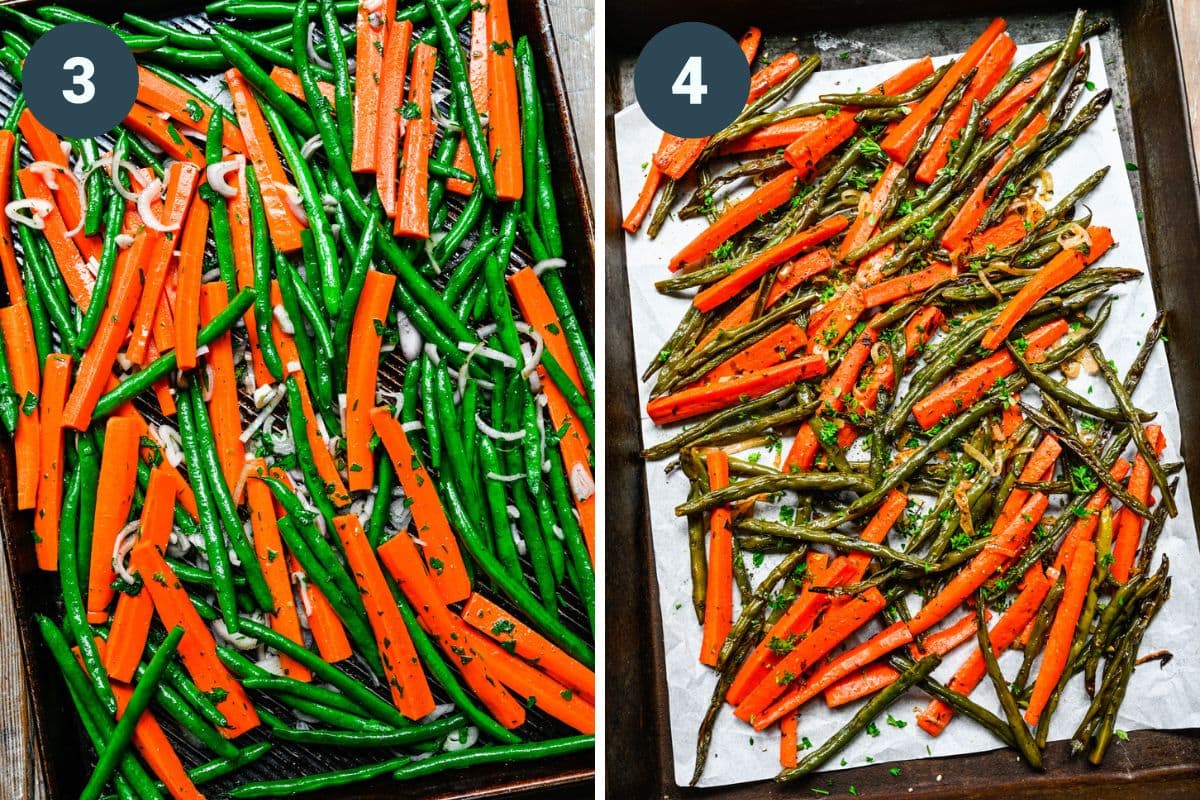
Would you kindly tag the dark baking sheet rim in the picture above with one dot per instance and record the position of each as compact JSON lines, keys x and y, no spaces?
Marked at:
{"x":1165,"y":762}
{"x":52,"y":723}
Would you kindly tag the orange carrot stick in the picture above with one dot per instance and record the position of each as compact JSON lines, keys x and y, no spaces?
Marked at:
{"x":773,"y":136}
{"x":1010,"y":104}
{"x":223,"y":406}
{"x":1129,"y":524}
{"x":949,"y":637}
{"x":56,"y":376}
{"x":900,"y":142}
{"x":972,"y":383}
{"x":197,"y":649}
{"x":909,"y":284}
{"x":441,"y":551}
{"x":868,"y":681}
{"x":1062,"y":630}
{"x":260,"y":150}
{"x":410,"y":689}
{"x":775,"y":347}
{"x":1085,"y":527}
{"x":8,"y":256}
{"x":147,"y":123}
{"x":191,"y":272}
{"x":72,"y":265}
{"x":1039,"y":466}
{"x":767,"y":197}
{"x":789,"y":745}
{"x":269,"y":548}
{"x":327,"y":629}
{"x":412,"y":213}
{"x":867,"y":221}
{"x":504,"y":119}
{"x":131,"y":621}
{"x":361,"y":374}
{"x":23,"y":360}
{"x":1008,"y":231}
{"x":718,"y":607}
{"x":477,"y":75}
{"x":390,"y":118}
{"x":809,"y":148}
{"x":185,"y":107}
{"x":729,"y":286}
{"x":645,"y":199}
{"x":370,"y":32}
{"x":722,"y":394}
{"x":118,"y":477}
{"x":289,"y":81}
{"x":830,"y":323}
{"x":1061,"y":269}
{"x":399,"y":556}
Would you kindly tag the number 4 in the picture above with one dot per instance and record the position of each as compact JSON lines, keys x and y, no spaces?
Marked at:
{"x":689,"y":81}
{"x":84,"y":89}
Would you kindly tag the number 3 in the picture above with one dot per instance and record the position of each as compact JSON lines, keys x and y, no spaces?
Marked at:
{"x":85,"y":90}
{"x":689,"y":81}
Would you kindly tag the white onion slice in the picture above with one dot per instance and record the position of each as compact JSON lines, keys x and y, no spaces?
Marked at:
{"x":496,"y":476}
{"x":495,"y":433}
{"x":39,"y":207}
{"x":583,"y":485}
{"x":312,"y":51}
{"x":294,"y":202}
{"x":549,"y":263}
{"x":217,"y":174}
{"x":311,"y":146}
{"x":147,"y":213}
{"x":410,"y":338}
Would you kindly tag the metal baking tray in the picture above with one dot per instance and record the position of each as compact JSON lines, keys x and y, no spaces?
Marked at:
{"x":1153,"y":121}
{"x":59,"y":740}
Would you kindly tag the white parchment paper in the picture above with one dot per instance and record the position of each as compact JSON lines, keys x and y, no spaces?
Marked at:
{"x":1157,"y":698}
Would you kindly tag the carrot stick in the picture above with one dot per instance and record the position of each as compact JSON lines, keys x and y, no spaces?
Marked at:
{"x":242,"y":240}
{"x":729,"y":286}
{"x":72,"y":265}
{"x":1005,"y":543}
{"x":23,"y":361}
{"x":1061,"y":269}
{"x":441,"y":551}
{"x":830,"y":323}
{"x":477,"y":75}
{"x":327,"y":629}
{"x":131,"y":621}
{"x":645,"y":199}
{"x":361,"y":374}
{"x":331,"y":478}
{"x":774,"y":136}
{"x":542,"y":691}
{"x":964,"y":224}
{"x":1129,"y":524}
{"x":718,"y":607}
{"x":1085,"y":527}
{"x":772,"y":75}
{"x":148,"y":124}
{"x":917,"y":332}
{"x":789,"y":745}
{"x":184,"y":107}
{"x":972,"y":383}
{"x":909,"y":284}
{"x":399,"y":556}
{"x":890,"y":638}
{"x":8,"y":255}
{"x":1010,"y":104}
{"x":504,"y":118}
{"x":770,"y":195}
{"x":289,"y":81}
{"x":900,"y":142}
{"x":223,"y":406}
{"x":991,"y":69}
{"x":412,"y":214}
{"x":493,"y":621}
{"x":269,"y":548}
{"x":948,"y":638}
{"x":866,"y":682}
{"x":197,"y":649}
{"x":777,"y":346}
{"x":149,"y":739}
{"x":191,"y":271}
{"x":370,"y":32}
{"x":56,"y":376}
{"x":390,"y":117}
{"x":181,"y":184}
{"x":1062,"y":630}
{"x":1039,"y":466}
{"x":698,"y":400}
{"x":45,"y":145}
{"x":118,"y":477}
{"x":808,"y":149}
{"x":838,"y":624}
{"x":1008,"y":231}
{"x":934,"y":718}
{"x":260,"y":150}
{"x":410,"y":689}
{"x":867,"y":221}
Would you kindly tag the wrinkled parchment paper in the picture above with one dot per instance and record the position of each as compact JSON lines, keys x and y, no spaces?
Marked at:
{"x":1157,"y":698}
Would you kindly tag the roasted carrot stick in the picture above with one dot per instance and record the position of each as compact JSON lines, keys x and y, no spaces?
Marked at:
{"x":775,"y":347}
{"x":27,"y":383}
{"x":118,"y":476}
{"x":289,"y":81}
{"x":412,"y":213}
{"x":186,"y":108}
{"x":361,"y":374}
{"x":1085,"y":527}
{"x":831,"y":322}
{"x":1061,"y":269}
{"x":728,"y":287}
{"x":722,"y":394}
{"x":477,"y":75}
{"x":441,"y":551}
{"x":260,"y":150}
{"x":1039,"y":467}
{"x":371,"y":30}
{"x":269,"y":549}
{"x":909,"y":284}
{"x":867,"y":221}
{"x":56,"y":377}
{"x":770,"y":195}
{"x":645,"y":199}
{"x":948,"y":638}
{"x":1010,"y":104}
{"x":191,"y":272}
{"x":410,"y":689}
{"x":504,"y":118}
{"x":242,"y":240}
{"x":1129,"y":524}
{"x":131,"y":621}
{"x":197,"y":650}
{"x":718,"y":605}
{"x":866,"y":682}
{"x":1008,"y":231}
{"x":789,"y":745}
{"x":399,"y":556}
{"x":773,"y":136}
{"x":900,"y":142}
{"x":390,"y":115}
{"x":809,"y":148}
{"x":1062,"y":630}
{"x":973,"y":382}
